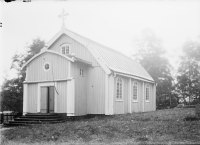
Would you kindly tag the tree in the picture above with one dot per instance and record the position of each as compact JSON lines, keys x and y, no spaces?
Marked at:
{"x":12,"y":90}
{"x":188,"y":78}
{"x":151,"y":56}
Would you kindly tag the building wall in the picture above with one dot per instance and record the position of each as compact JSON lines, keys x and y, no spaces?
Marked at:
{"x":62,"y":97}
{"x":150,"y":106}
{"x":94,"y":83}
{"x":80,"y":87}
{"x":137,"y":106}
{"x":121,"y":107}
{"x":96,"y":91}
{"x":58,"y":68}
{"x":78,"y":49}
{"x":32,"y":98}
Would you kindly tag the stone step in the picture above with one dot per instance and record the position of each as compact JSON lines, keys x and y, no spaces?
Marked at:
{"x":26,"y":123}
{"x":41,"y":114}
{"x":37,"y":119}
{"x":42,"y":117}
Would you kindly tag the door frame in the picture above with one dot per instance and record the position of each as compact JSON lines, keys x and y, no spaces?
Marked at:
{"x":39,"y":95}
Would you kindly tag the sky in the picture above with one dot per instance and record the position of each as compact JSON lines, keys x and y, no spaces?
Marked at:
{"x":112,"y":23}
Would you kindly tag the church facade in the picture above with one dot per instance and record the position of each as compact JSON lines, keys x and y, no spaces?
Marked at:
{"x":77,"y":76}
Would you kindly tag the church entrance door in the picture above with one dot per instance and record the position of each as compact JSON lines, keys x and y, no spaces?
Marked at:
{"x":47,"y":99}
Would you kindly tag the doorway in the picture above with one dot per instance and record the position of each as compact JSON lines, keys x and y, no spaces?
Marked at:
{"x":47,"y":99}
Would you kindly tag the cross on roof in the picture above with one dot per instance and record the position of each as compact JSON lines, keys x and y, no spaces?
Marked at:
{"x":63,"y":15}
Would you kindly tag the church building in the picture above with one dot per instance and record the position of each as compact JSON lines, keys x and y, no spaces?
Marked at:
{"x":78,"y":76}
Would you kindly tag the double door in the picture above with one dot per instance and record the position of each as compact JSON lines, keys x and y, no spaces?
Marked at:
{"x":47,"y":99}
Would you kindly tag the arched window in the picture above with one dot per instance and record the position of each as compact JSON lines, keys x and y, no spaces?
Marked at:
{"x":65,"y":48}
{"x":119,"y":89}
{"x":147,"y":92}
{"x":135,"y":91}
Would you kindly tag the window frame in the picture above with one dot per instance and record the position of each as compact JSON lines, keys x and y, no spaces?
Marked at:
{"x":147,"y":86}
{"x":64,"y":45}
{"x":45,"y":68}
{"x":122,"y":91}
{"x":134,"y":100}
{"x":81,"y":72}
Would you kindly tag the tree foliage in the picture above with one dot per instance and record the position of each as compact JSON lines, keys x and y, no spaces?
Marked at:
{"x":188,"y":78}
{"x":151,"y":56}
{"x":12,"y":90}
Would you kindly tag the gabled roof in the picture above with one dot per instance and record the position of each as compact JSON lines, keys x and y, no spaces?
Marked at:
{"x":109,"y":59}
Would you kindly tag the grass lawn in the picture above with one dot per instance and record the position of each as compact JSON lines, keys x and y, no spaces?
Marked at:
{"x":164,"y":126}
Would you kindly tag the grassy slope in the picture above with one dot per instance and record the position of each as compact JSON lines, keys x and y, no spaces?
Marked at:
{"x":165,"y":126}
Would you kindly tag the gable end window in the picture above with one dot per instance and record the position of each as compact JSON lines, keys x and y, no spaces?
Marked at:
{"x":147,"y":92}
{"x":65,"y":49}
{"x":119,"y":89}
{"x":135,"y":91}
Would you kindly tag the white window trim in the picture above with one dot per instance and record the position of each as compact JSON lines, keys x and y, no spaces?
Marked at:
{"x":146,"y":94}
{"x":44,"y":66}
{"x":119,"y":100}
{"x":137,"y":92}
{"x":65,"y":44}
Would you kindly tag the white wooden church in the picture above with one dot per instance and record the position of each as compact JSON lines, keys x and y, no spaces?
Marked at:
{"x":77,"y":76}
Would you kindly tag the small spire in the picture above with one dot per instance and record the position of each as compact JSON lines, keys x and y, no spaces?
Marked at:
{"x":63,"y":15}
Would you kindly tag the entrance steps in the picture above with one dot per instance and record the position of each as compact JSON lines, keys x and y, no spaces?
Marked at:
{"x":35,"y":118}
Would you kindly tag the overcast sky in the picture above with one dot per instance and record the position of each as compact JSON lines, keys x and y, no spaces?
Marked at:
{"x":111,"y":23}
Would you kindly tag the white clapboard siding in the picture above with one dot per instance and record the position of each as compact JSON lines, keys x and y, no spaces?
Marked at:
{"x":32,"y":98}
{"x":58,"y":68}
{"x":78,"y":49}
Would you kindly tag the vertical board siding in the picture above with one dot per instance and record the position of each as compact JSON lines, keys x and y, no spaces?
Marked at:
{"x":32,"y":98}
{"x":80,"y":87}
{"x":78,"y":49}
{"x":149,"y":105}
{"x":96,"y":91}
{"x":137,"y":106}
{"x":62,"y":97}
{"x":58,"y":68}
{"x":121,"y":107}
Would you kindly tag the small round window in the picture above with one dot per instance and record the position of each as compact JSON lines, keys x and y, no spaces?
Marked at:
{"x":46,"y":66}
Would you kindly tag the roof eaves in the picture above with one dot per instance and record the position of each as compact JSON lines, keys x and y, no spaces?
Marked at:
{"x":135,"y":77}
{"x":125,"y":72}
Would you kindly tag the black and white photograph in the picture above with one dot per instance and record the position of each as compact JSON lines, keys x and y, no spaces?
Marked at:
{"x":99,"y":72}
